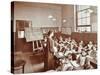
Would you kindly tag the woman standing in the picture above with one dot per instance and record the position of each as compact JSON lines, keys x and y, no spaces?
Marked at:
{"x":49,"y":62}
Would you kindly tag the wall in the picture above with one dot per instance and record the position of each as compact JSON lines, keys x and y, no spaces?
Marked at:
{"x":86,"y":37}
{"x":37,"y":13}
{"x":68,"y":14}
{"x":94,"y":19}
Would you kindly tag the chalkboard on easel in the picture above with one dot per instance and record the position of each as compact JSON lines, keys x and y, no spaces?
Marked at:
{"x":33,"y":34}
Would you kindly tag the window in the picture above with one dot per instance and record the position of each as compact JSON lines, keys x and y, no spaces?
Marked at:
{"x":83,"y":18}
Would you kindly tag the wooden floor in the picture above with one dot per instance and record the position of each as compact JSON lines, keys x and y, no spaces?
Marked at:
{"x":34,"y":63}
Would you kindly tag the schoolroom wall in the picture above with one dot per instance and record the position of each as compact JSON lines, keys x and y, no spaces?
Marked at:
{"x":38,"y":13}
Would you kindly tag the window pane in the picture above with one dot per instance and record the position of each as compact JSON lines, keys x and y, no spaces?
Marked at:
{"x":83,"y":21}
{"x":84,"y":14}
{"x":88,"y":14}
{"x":78,"y":29}
{"x":81,"y":29}
{"x":88,"y":21}
{"x":87,"y":29}
{"x":84,"y":29}
{"x":81,"y":7}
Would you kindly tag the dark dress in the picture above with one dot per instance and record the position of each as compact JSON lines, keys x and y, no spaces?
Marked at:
{"x":48,"y":56}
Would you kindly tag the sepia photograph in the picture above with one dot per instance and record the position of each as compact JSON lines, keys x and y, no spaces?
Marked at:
{"x":50,"y":37}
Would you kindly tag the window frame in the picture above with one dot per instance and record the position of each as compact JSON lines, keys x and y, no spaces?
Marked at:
{"x":77,"y":19}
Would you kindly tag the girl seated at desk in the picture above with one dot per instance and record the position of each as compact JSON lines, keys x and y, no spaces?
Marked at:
{"x":83,"y":60}
{"x":69,"y":63}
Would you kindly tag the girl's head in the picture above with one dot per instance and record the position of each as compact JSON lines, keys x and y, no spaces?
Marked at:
{"x":84,"y":53}
{"x":45,"y":38}
{"x":90,"y":42}
{"x":69,"y":56}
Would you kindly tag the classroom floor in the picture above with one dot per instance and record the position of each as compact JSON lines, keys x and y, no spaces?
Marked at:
{"x":34,"y":63}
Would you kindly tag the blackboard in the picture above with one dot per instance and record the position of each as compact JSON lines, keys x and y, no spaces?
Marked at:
{"x":33,"y":34}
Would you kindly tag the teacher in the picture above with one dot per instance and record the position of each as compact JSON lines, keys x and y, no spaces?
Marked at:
{"x":49,"y":62}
